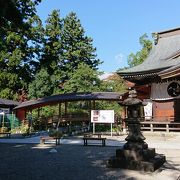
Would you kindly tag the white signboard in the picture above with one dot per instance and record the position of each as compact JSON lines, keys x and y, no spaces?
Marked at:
{"x":102,"y":116}
{"x":148,"y":109}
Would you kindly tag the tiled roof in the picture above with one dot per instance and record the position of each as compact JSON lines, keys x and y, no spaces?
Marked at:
{"x":173,"y":71}
{"x":173,"y":68}
{"x":165,"y":54}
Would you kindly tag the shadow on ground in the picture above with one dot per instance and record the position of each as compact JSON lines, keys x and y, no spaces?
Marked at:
{"x":67,"y":162}
{"x":70,"y":162}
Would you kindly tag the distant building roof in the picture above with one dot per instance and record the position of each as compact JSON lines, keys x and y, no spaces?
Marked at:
{"x":164,"y":54}
{"x":111,"y":96}
{"x":105,"y":76}
{"x":6,"y":102}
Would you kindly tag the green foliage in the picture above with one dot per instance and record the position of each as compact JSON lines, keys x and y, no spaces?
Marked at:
{"x":41,"y":86}
{"x":84,"y":79}
{"x":80,"y":108}
{"x":140,"y":56}
{"x":65,"y":47}
{"x":41,"y":59}
{"x":107,"y":128}
{"x":52,"y":50}
{"x":40,"y":120}
{"x":117,"y":128}
{"x":77,"y":48}
{"x":15,"y":10}
{"x":102,"y":128}
{"x":55,"y":134}
{"x":49,"y":111}
{"x":18,"y":44}
{"x":105,"y":105}
{"x":23,"y":129}
{"x":4,"y":129}
{"x":9,"y":12}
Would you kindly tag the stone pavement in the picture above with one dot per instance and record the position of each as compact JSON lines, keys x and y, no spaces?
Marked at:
{"x":27,"y":159}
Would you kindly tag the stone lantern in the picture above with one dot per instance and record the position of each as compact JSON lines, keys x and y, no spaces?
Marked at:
{"x":135,"y":153}
{"x":135,"y":139}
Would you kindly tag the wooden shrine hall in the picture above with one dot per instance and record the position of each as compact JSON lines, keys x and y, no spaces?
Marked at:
{"x":157,"y":79}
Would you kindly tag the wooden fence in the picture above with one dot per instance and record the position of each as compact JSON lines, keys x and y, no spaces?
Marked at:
{"x":160,"y":126}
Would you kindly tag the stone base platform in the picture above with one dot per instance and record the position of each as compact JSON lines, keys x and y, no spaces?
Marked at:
{"x":141,"y":160}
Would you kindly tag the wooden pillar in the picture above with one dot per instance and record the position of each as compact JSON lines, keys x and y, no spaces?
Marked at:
{"x":38,"y":113}
{"x":59,"y":116}
{"x":3,"y":122}
{"x":94,"y":105}
{"x":89,"y":105}
{"x":24,"y":120}
{"x":66,"y":104}
{"x":167,"y":127}
{"x":151,"y":127}
{"x":30,"y":120}
{"x":38,"y":118}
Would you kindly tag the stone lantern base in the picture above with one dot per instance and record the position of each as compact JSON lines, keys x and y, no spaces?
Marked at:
{"x":142,"y":159}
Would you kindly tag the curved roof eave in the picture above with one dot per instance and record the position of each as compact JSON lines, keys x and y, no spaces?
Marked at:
{"x":32,"y":104}
{"x":170,"y":72}
{"x":141,"y":73}
{"x":7,"y":102}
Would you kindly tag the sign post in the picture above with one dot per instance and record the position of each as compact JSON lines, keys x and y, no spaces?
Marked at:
{"x":102,"y":116}
{"x":93,"y":128}
{"x":111,"y":129}
{"x":2,"y":113}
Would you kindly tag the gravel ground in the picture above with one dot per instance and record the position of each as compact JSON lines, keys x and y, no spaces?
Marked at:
{"x":21,"y":159}
{"x":74,"y":162}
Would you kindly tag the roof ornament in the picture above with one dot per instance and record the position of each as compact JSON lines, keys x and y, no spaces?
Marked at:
{"x":156,"y":37}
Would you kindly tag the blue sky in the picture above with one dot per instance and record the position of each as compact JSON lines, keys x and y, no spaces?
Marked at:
{"x":116,"y":25}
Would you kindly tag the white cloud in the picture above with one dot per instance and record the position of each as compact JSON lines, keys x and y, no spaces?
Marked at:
{"x":119,"y":58}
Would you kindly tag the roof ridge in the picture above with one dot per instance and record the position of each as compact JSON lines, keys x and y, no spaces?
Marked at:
{"x":167,"y":31}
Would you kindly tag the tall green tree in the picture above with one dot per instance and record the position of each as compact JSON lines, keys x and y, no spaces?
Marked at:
{"x":17,"y":49}
{"x":41,"y":86}
{"x":140,"y":56}
{"x":77,"y":47}
{"x":52,"y":49}
{"x":84,"y":79}
{"x":9,"y":11}
{"x":65,"y":47}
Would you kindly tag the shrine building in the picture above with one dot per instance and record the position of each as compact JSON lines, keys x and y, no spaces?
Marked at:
{"x":157,"y":79}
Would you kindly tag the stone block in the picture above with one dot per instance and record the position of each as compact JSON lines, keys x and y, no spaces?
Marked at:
{"x":136,"y":160}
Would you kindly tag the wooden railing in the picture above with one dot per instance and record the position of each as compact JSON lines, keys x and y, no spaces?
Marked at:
{"x":71,"y":118}
{"x":160,"y":126}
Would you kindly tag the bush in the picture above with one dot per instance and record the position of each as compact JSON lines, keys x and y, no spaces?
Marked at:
{"x":103,"y":128}
{"x":117,"y":129}
{"x":4,"y":129}
{"x":55,"y":134}
{"x":24,"y":129}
